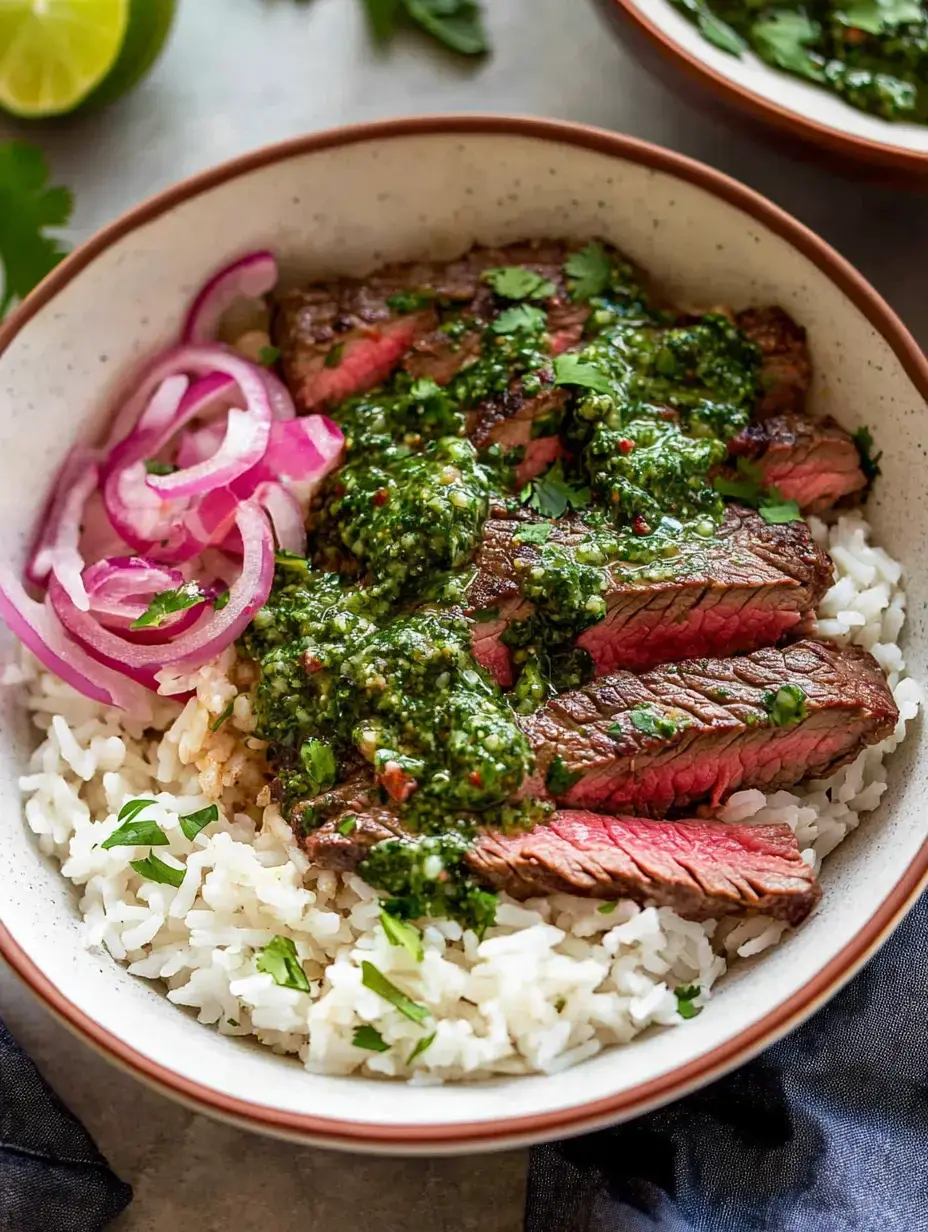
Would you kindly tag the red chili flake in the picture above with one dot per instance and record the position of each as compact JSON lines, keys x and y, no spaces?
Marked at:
{"x":311,"y":663}
{"x":640,"y":526}
{"x":338,"y":490}
{"x":381,"y":496}
{"x":476,"y":778}
{"x":667,"y":412}
{"x":855,"y":37}
{"x":626,"y":446}
{"x":396,"y":782}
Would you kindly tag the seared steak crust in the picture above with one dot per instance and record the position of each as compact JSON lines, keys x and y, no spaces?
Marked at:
{"x":721,"y":738}
{"x":786,"y":368}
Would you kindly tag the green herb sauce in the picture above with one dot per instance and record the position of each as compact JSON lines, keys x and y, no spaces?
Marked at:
{"x":871,"y":53}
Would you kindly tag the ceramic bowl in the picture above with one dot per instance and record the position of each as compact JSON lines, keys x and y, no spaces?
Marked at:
{"x":797,"y":111}
{"x":345,"y":202}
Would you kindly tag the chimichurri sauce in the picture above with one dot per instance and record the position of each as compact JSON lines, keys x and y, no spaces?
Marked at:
{"x":364,"y":649}
{"x":872,"y":53}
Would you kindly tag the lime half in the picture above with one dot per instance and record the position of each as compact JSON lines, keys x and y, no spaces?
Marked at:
{"x":53,"y":53}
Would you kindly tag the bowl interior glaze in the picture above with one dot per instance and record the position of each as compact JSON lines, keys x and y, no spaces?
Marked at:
{"x":346,"y":204}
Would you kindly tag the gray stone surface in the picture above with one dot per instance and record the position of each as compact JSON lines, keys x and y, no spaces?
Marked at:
{"x":237,"y":74}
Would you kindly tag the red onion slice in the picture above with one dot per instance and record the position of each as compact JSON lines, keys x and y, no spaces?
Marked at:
{"x":286,"y":517}
{"x":243,"y":446}
{"x":57,"y":550}
{"x":249,"y":277}
{"x":211,"y":634}
{"x":38,"y":628}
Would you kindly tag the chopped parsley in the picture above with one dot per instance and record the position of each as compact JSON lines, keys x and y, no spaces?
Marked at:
{"x":193,"y":823}
{"x":399,"y":932}
{"x":281,"y":962}
{"x":515,"y":282}
{"x":559,"y":778}
{"x":220,"y":719}
{"x":786,"y":705}
{"x":221,"y":600}
{"x":405,"y":302}
{"x":649,"y":721}
{"x":319,"y":764}
{"x":607,"y":908}
{"x":137,"y":834}
{"x":589,"y":270}
{"x":377,"y":982}
{"x":551,"y":494}
{"x":533,"y":532}
{"x":154,"y":467}
{"x":370,"y":1038}
{"x":268,"y":356}
{"x":347,"y":826}
{"x":869,"y":462}
{"x":154,"y":869}
{"x":425,"y":1042}
{"x":168,"y":602}
{"x":686,"y":994}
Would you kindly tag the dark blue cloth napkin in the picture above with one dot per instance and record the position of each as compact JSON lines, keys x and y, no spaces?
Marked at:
{"x":52,"y":1177}
{"x":827,"y":1131}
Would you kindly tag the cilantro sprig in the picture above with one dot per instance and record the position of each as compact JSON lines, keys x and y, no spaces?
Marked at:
{"x":749,"y":489}
{"x":551,"y":494}
{"x":457,"y":24}
{"x":589,"y":271}
{"x":166,"y":603}
{"x":28,"y":208}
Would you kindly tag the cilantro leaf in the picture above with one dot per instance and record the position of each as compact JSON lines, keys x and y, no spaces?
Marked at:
{"x":425,"y":1042}
{"x":781,"y":39}
{"x":27,"y":208}
{"x":869,"y":462}
{"x":399,"y":932}
{"x":551,"y":494}
{"x":377,"y":982}
{"x":167,"y":602}
{"x":559,"y":779}
{"x":686,"y":995}
{"x":382,"y":17}
{"x":519,"y":317}
{"x":281,"y":962}
{"x":154,"y":467}
{"x":878,"y":16}
{"x":456,"y":23}
{"x":132,"y":808}
{"x":514,"y":282}
{"x":268,"y":356}
{"x":370,"y":1038}
{"x":533,"y":532}
{"x":221,"y":600}
{"x":153,"y":869}
{"x":777,"y":511}
{"x":137,"y":834}
{"x":347,"y":825}
{"x":711,"y":27}
{"x":590,"y":271}
{"x":571,"y":370}
{"x":193,"y":823}
{"x":607,"y":908}
{"x":319,"y":763}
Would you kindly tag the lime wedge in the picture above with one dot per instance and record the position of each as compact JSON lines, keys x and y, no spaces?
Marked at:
{"x":54,"y":52}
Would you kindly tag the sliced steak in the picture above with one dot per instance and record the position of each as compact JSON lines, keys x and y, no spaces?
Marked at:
{"x":753,"y":584}
{"x":516,"y":420}
{"x":811,"y":461}
{"x":704,"y":728}
{"x":703,"y":870}
{"x":344,"y":337}
{"x":786,"y":368}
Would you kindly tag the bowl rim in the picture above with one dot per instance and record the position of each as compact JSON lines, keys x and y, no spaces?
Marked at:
{"x":844,"y":144}
{"x":494,"y":1133}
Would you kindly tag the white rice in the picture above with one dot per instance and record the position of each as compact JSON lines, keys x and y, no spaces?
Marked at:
{"x":553,"y":982}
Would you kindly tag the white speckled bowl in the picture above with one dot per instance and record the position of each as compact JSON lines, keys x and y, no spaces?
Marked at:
{"x":794,"y":108}
{"x":347,"y":201}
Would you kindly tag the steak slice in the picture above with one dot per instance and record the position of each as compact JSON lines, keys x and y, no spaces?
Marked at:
{"x":753,"y":584}
{"x":703,"y":870}
{"x":344,"y":337}
{"x":704,"y":728}
{"x":786,"y":368}
{"x":811,"y":461}
{"x":516,"y":420}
